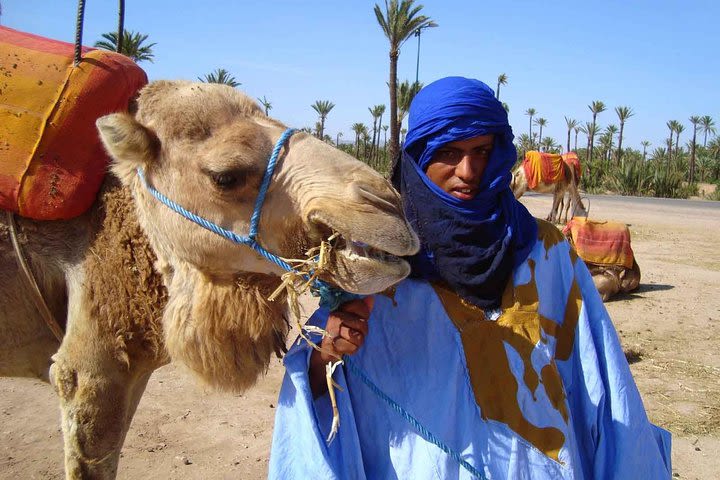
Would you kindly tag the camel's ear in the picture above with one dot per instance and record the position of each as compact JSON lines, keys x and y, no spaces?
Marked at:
{"x":129,"y":143}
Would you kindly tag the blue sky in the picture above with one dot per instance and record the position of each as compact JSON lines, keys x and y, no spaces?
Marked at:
{"x":661,"y":58}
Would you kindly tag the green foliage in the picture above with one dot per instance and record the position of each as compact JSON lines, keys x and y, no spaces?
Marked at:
{"x":221,"y":76}
{"x":132,"y":45}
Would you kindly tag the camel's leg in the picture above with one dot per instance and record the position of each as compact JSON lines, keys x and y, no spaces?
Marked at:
{"x":97,"y":409}
{"x":630,"y":278}
{"x":606,"y":282}
{"x":553,"y":215}
{"x":99,"y":390}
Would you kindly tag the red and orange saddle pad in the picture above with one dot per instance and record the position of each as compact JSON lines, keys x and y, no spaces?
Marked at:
{"x":571,"y":158}
{"x":541,"y":167}
{"x":52,"y":162}
{"x":601,"y":243}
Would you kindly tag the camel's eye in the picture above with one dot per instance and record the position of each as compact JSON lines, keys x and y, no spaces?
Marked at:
{"x":227,"y":180}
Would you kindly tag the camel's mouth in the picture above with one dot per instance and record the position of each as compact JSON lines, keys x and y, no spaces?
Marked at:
{"x":359,"y":265}
{"x":356,"y":250}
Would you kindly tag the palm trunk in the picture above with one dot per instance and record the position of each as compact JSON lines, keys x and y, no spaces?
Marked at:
{"x":394,"y":128}
{"x":497,"y":94}
{"x":377,"y":147}
{"x":372,"y":147}
{"x":568,"y":140}
{"x":576,"y":135}
{"x":692,"y":156}
{"x":619,"y":150}
{"x":530,"y":134}
{"x":322,"y":128}
{"x":540,"y":137}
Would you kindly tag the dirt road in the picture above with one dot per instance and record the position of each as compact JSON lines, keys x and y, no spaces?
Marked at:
{"x":670,"y":327}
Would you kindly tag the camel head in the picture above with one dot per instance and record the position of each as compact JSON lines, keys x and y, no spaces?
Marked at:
{"x":206,"y":147}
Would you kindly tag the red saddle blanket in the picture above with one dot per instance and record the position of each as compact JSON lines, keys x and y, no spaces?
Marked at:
{"x":52,"y":162}
{"x":541,"y":167}
{"x":601,"y":243}
{"x":572,"y":159}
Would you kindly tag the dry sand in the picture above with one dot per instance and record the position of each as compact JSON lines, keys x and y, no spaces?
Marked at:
{"x":670,"y":327}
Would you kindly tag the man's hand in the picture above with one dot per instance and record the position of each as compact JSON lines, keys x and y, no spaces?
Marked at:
{"x":347,"y":327}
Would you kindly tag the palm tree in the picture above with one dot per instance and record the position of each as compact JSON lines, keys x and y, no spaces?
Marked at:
{"x":679,"y":128}
{"x":132,"y":45}
{"x":549,"y":145}
{"x":399,"y":22}
{"x":385,"y":129}
{"x":380,"y":112}
{"x":530,"y":112}
{"x":524,"y":143}
{"x":695,"y":120}
{"x":610,"y":131}
{"x":266,"y":104}
{"x":540,"y":122}
{"x":645,"y":145}
{"x":222,"y":76}
{"x":337,"y":139}
{"x":377,"y":113}
{"x":359,"y":129}
{"x":405,"y":94}
{"x":708,"y":126}
{"x":589,"y":129}
{"x":671,"y":126}
{"x":577,"y":130}
{"x":322,"y":107}
{"x":502,"y":80}
{"x":571,"y":124}
{"x":595,"y":107}
{"x":623,"y":114}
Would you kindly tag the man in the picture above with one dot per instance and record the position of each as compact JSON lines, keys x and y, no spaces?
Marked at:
{"x":496,"y":360}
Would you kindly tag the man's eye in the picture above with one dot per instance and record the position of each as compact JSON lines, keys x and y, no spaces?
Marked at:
{"x":446,"y":155}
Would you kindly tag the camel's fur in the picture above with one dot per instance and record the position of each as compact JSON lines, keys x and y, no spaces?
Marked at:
{"x":136,"y":285}
{"x":560,"y":211}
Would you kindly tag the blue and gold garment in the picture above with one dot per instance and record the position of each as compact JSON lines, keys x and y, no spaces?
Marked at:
{"x":541,"y":392}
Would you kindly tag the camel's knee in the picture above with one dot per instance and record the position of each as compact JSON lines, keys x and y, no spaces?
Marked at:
{"x":607,"y":284}
{"x":630,"y":278}
{"x":97,"y":408}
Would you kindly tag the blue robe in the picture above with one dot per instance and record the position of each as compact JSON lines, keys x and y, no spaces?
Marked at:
{"x":542,"y":392}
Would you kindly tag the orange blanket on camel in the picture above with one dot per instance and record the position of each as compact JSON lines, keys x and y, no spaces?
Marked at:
{"x":572,"y":159}
{"x":542,"y":167}
{"x":52,"y":163}
{"x":601,"y":243}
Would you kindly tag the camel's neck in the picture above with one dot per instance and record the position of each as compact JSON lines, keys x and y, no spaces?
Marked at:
{"x":126,"y":291}
{"x":224,"y":331}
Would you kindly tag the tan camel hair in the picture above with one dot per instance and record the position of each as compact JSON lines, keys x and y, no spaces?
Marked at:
{"x":568,"y":184}
{"x":136,"y":285}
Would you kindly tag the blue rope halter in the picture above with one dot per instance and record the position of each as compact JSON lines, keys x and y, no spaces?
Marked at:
{"x":330,"y":297}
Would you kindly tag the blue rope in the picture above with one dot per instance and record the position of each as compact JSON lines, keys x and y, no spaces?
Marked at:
{"x":424,"y":432}
{"x":232,"y":236}
{"x":330,"y":297}
{"x":255,"y":219}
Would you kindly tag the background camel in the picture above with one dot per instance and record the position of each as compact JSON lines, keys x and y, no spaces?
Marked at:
{"x":566,"y":181}
{"x":135,"y":285}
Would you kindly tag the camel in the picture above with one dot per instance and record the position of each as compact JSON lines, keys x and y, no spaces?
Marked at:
{"x":605,"y":247}
{"x":567,"y":182}
{"x":134,"y":285}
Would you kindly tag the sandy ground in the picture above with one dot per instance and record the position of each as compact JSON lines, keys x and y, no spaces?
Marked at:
{"x":670,"y":327}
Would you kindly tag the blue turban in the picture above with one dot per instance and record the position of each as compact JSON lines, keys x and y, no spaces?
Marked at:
{"x":472,"y":245}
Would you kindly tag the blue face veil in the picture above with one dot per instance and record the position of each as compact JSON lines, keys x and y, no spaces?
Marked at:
{"x":472,"y":245}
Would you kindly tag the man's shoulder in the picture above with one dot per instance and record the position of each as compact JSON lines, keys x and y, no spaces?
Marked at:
{"x":548,"y":233}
